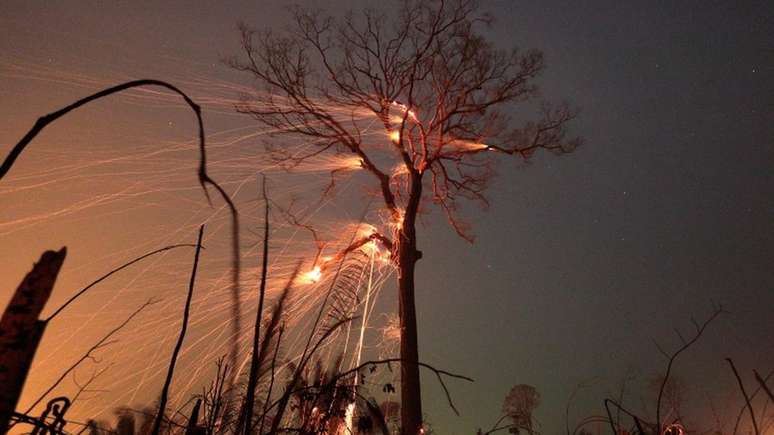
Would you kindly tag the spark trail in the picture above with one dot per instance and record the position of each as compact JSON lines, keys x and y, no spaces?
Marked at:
{"x":111,"y":190}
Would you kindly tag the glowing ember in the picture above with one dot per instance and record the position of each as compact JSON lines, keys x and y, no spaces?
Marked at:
{"x":400,"y":169}
{"x":396,"y":119}
{"x":395,"y":136}
{"x":398,"y":222}
{"x":365,"y":230}
{"x":313,"y":275}
{"x":403,"y":108}
{"x":353,"y":163}
{"x":477,"y":146}
{"x":371,"y":247}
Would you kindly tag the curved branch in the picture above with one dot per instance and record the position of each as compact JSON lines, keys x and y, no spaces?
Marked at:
{"x":745,"y":395}
{"x":686,"y":344}
{"x":101,"y":343}
{"x":204,"y":178}
{"x":181,"y":337}
{"x":116,"y":270}
{"x":438,"y":374}
{"x":625,"y":411}
{"x":763,"y":385}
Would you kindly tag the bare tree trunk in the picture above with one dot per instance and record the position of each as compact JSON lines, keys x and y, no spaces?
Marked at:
{"x":410,"y":394}
{"x":20,"y":330}
{"x":408,"y":255}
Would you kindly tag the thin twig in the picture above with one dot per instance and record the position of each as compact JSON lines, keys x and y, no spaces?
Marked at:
{"x":271,"y":380}
{"x":116,"y":270}
{"x":746,"y":397}
{"x":101,"y":343}
{"x":204,"y":178}
{"x":84,"y":388}
{"x":255,"y":361}
{"x":620,"y":407}
{"x":686,"y":344}
{"x":752,"y":396}
{"x":763,"y":385}
{"x":438,"y":374}
{"x":179,"y":344}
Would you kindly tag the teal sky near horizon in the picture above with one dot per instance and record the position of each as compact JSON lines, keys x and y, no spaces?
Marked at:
{"x":580,"y":263}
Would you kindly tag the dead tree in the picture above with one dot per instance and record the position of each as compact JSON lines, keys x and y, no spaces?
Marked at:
{"x":438,"y":91}
{"x":21,"y":330}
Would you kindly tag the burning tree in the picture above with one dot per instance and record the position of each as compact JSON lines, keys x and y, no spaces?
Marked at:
{"x":438,"y":91}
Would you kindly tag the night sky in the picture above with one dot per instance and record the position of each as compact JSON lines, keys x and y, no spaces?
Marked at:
{"x":582,"y":260}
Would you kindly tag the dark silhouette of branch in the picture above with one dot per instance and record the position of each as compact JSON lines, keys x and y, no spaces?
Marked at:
{"x":744,"y":394}
{"x":179,"y":344}
{"x":290,"y":217}
{"x":256,"y":358}
{"x":274,"y":322}
{"x":699,"y":330}
{"x":763,"y":385}
{"x":271,"y":379}
{"x":371,"y":363}
{"x":44,"y":121}
{"x":193,"y":421}
{"x":204,"y":178}
{"x":744,"y":406}
{"x":107,"y":275}
{"x":306,"y":357}
{"x":620,"y":407}
{"x":496,"y":428}
{"x":438,"y":373}
{"x":84,"y":388}
{"x":98,"y":345}
{"x":215,"y":395}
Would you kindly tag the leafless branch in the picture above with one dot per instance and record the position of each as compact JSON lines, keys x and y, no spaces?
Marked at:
{"x":249,"y":403}
{"x":744,"y":406}
{"x":745,"y":395}
{"x":109,"y":274}
{"x":88,"y":355}
{"x":762,"y":383}
{"x":179,"y":344}
{"x":699,"y":330}
{"x":438,"y":373}
{"x":204,"y":178}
